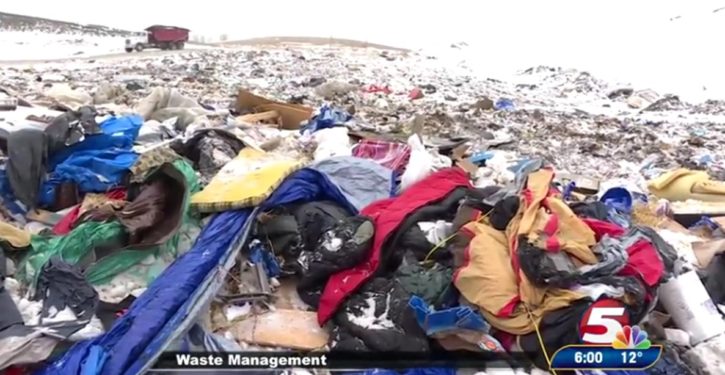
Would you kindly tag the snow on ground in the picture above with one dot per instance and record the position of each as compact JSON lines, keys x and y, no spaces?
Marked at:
{"x":35,"y":45}
{"x":39,"y":45}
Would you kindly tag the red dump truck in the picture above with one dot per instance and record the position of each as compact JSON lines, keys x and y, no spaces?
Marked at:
{"x":158,"y":36}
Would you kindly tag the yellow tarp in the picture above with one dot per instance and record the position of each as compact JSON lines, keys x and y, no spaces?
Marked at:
{"x":246,"y":181}
{"x":683,"y":184}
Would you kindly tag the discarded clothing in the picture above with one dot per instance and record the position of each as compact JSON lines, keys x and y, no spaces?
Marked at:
{"x":17,"y":238}
{"x":148,"y":161}
{"x":592,"y":210}
{"x":92,"y":171}
{"x":393,"y":155}
{"x":21,"y":345}
{"x":164,"y":104}
{"x":62,"y":285}
{"x":165,"y":307}
{"x":316,"y":218}
{"x":488,"y":280}
{"x":378,"y":318}
{"x":69,"y":221}
{"x":387,"y":216}
{"x":26,"y":166}
{"x":431,"y":285}
{"x":156,"y":213}
{"x":341,"y":247}
{"x":117,"y":132}
{"x":108,"y":312}
{"x":327,"y":118}
{"x":209,"y":150}
{"x":71,"y":127}
{"x":558,"y":328}
{"x":556,"y":269}
{"x":362,"y":181}
{"x":153,"y":132}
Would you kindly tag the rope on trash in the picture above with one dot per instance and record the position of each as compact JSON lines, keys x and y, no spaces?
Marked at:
{"x":444,"y":241}
{"x":541,"y":339}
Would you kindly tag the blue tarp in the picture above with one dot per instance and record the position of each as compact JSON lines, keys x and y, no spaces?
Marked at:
{"x":117,"y":132}
{"x":327,"y":118}
{"x":92,"y":170}
{"x":170,"y":305}
{"x":97,"y":164}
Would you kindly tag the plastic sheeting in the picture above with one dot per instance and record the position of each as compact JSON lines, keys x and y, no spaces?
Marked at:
{"x":171,"y":303}
{"x":93,"y":171}
{"x":327,"y":118}
{"x":99,"y":162}
{"x":90,"y":235}
{"x":118,"y":132}
{"x":362,"y":181}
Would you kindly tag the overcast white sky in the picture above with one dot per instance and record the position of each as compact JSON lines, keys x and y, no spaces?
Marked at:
{"x":626,"y":39}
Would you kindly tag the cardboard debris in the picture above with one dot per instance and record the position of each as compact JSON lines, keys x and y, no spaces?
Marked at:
{"x":293,"y":329}
{"x":257,"y":118}
{"x":292,"y":115}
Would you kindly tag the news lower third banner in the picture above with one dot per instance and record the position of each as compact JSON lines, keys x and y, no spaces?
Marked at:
{"x":331,"y":360}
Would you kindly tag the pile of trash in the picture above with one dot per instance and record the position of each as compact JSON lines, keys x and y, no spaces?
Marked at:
{"x":180,"y":211}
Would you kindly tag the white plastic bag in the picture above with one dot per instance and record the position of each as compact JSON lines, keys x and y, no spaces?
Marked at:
{"x":421,"y":163}
{"x":332,"y":142}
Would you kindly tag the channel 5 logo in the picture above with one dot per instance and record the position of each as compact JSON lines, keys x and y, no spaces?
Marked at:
{"x":602,"y":321}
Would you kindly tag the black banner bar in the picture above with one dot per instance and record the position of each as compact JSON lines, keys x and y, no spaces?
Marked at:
{"x":335,"y":360}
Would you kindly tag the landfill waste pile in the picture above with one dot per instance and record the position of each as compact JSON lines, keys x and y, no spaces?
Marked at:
{"x":327,"y":198}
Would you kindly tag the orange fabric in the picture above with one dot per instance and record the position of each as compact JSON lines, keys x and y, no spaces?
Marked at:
{"x":488,"y":281}
{"x":490,"y":277}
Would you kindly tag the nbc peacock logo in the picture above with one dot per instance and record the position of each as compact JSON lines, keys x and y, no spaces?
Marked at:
{"x":631,"y":338}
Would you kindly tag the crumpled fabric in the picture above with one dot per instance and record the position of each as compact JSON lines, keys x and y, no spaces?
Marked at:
{"x":165,"y":103}
{"x":432,"y":196}
{"x":378,"y":318}
{"x":557,"y":269}
{"x":432,"y":285}
{"x":26,"y":166}
{"x":71,"y":127}
{"x":362,"y":181}
{"x":327,"y":118}
{"x":393,"y":155}
{"x":148,"y":161}
{"x":341,"y":247}
{"x":21,"y":345}
{"x":91,"y":170}
{"x":118,"y":132}
{"x":114,"y":197}
{"x":209,"y":150}
{"x":61,"y":284}
{"x":155,"y":214}
{"x":71,"y":248}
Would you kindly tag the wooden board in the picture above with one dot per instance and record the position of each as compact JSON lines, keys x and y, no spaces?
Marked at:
{"x":293,"y":329}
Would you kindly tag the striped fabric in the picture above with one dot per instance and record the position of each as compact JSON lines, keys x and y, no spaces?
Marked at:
{"x":393,"y":155}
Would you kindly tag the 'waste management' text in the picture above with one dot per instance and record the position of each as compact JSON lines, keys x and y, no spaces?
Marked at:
{"x":241,"y":360}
